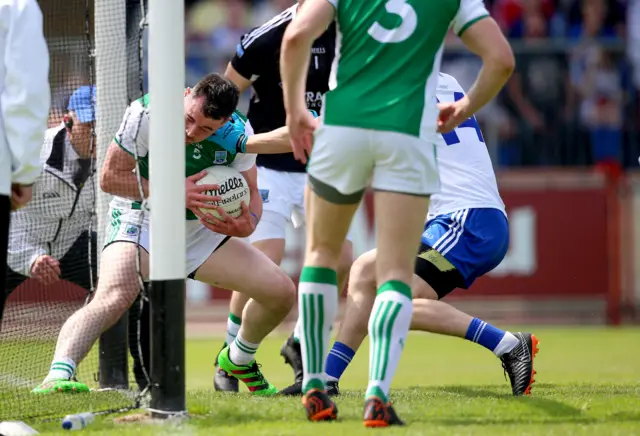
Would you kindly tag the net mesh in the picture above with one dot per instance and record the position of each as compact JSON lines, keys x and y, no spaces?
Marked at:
{"x":56,"y":240}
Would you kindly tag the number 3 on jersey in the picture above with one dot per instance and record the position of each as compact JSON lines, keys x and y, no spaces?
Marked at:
{"x":452,"y":138}
{"x":409,"y":22}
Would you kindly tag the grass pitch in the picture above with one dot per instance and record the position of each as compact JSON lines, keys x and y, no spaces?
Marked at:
{"x":588,"y":383}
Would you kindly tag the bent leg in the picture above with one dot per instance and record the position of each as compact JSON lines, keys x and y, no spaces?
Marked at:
{"x":118,"y":287}
{"x":271,"y":291}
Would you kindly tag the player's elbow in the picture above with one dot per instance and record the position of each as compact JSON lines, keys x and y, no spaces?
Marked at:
{"x":505,"y":64}
{"x":500,"y":63}
{"x":294,"y":36}
{"x":108,"y":175}
{"x":107,"y":178}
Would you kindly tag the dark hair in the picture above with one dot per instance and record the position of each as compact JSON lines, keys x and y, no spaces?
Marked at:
{"x":220,"y":96}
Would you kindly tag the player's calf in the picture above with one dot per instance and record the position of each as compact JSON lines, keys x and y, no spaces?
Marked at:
{"x":353,"y":329}
{"x":237,"y":265}
{"x":117,"y":290}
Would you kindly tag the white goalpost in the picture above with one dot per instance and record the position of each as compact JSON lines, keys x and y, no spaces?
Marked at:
{"x":167,"y":203}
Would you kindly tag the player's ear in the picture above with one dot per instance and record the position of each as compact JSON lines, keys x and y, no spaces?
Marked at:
{"x":187,"y":91}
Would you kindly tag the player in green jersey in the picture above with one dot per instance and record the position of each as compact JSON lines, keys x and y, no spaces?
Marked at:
{"x":215,"y":134}
{"x":378,"y":126}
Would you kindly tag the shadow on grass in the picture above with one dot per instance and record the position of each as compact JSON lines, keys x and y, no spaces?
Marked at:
{"x":548,"y":406}
{"x":436,"y":405}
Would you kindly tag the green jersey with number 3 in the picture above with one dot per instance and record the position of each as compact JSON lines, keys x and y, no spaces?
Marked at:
{"x":388,"y":54}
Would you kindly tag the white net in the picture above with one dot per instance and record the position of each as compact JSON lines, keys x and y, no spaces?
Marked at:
{"x":56,"y":242}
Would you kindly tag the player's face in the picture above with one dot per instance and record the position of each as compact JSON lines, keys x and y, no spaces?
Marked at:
{"x":197,"y":126}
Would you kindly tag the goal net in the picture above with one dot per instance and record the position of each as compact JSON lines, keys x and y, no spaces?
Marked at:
{"x":56,"y":241}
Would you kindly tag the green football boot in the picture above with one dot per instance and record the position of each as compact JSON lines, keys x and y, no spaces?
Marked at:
{"x":60,"y":385}
{"x":249,"y":374}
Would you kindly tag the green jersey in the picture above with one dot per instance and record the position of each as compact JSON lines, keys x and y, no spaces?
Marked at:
{"x":388,"y":54}
{"x":221,"y":148}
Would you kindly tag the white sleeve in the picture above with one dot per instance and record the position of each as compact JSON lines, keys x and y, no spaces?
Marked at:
{"x":22,"y":250}
{"x":469,"y":12}
{"x":243,"y":162}
{"x":26,"y":97}
{"x":133,"y":134}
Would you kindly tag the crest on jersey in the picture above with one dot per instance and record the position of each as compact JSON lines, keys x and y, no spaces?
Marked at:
{"x":131,"y":230}
{"x":220,"y":157}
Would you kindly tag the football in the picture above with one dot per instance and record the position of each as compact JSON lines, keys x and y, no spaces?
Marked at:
{"x":233,"y":190}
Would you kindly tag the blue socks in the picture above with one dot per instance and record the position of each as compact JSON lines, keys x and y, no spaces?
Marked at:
{"x":337,"y":361}
{"x":490,"y":337}
{"x":484,"y":334}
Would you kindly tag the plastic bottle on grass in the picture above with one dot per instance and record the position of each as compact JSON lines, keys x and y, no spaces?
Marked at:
{"x":77,"y":421}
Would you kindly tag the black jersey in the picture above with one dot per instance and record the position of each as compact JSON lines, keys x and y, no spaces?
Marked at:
{"x":257,"y":59}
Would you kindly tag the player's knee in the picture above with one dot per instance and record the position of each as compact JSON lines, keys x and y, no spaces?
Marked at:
{"x":282,"y":294}
{"x":421,"y":290}
{"x":363,"y":273}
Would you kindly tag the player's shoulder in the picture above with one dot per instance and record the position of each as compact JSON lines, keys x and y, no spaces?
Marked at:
{"x":447,"y":82}
{"x":141,"y":103}
{"x":139,"y":108}
{"x":270,"y":32}
{"x":232,"y":135}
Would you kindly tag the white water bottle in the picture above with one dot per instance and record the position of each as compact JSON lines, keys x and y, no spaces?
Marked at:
{"x":77,"y":421}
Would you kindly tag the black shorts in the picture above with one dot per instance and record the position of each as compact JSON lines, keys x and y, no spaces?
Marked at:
{"x":434,"y":269}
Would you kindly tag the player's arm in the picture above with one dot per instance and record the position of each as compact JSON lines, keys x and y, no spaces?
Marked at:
{"x":130,"y":142}
{"x":117,"y":176}
{"x":273,"y":142}
{"x":240,"y":81}
{"x":481,"y":34}
{"x":247,"y":63}
{"x":487,"y":41}
{"x":312,"y":19}
{"x":26,"y":97}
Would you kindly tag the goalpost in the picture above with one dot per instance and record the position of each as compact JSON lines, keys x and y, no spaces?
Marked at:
{"x":168,"y":204}
{"x":166,"y":68}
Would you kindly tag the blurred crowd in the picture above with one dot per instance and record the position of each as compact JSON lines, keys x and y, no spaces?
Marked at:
{"x":572,"y":101}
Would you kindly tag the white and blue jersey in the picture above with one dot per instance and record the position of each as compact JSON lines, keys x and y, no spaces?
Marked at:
{"x":467,"y":222}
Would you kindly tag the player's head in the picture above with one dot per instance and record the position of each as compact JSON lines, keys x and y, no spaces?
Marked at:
{"x":208,"y":106}
{"x":79,"y":119}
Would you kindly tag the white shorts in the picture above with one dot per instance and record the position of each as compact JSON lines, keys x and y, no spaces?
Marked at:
{"x":282,"y":203}
{"x":348,"y":158}
{"x":129,"y":225}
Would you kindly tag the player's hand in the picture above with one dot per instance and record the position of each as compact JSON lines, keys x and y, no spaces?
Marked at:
{"x":46,"y":269}
{"x":240,"y":227}
{"x":196,"y":198}
{"x":452,"y":115}
{"x":20,"y":195}
{"x":301,"y":126}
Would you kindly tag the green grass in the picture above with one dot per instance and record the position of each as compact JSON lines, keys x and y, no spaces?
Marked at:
{"x":588,"y":384}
